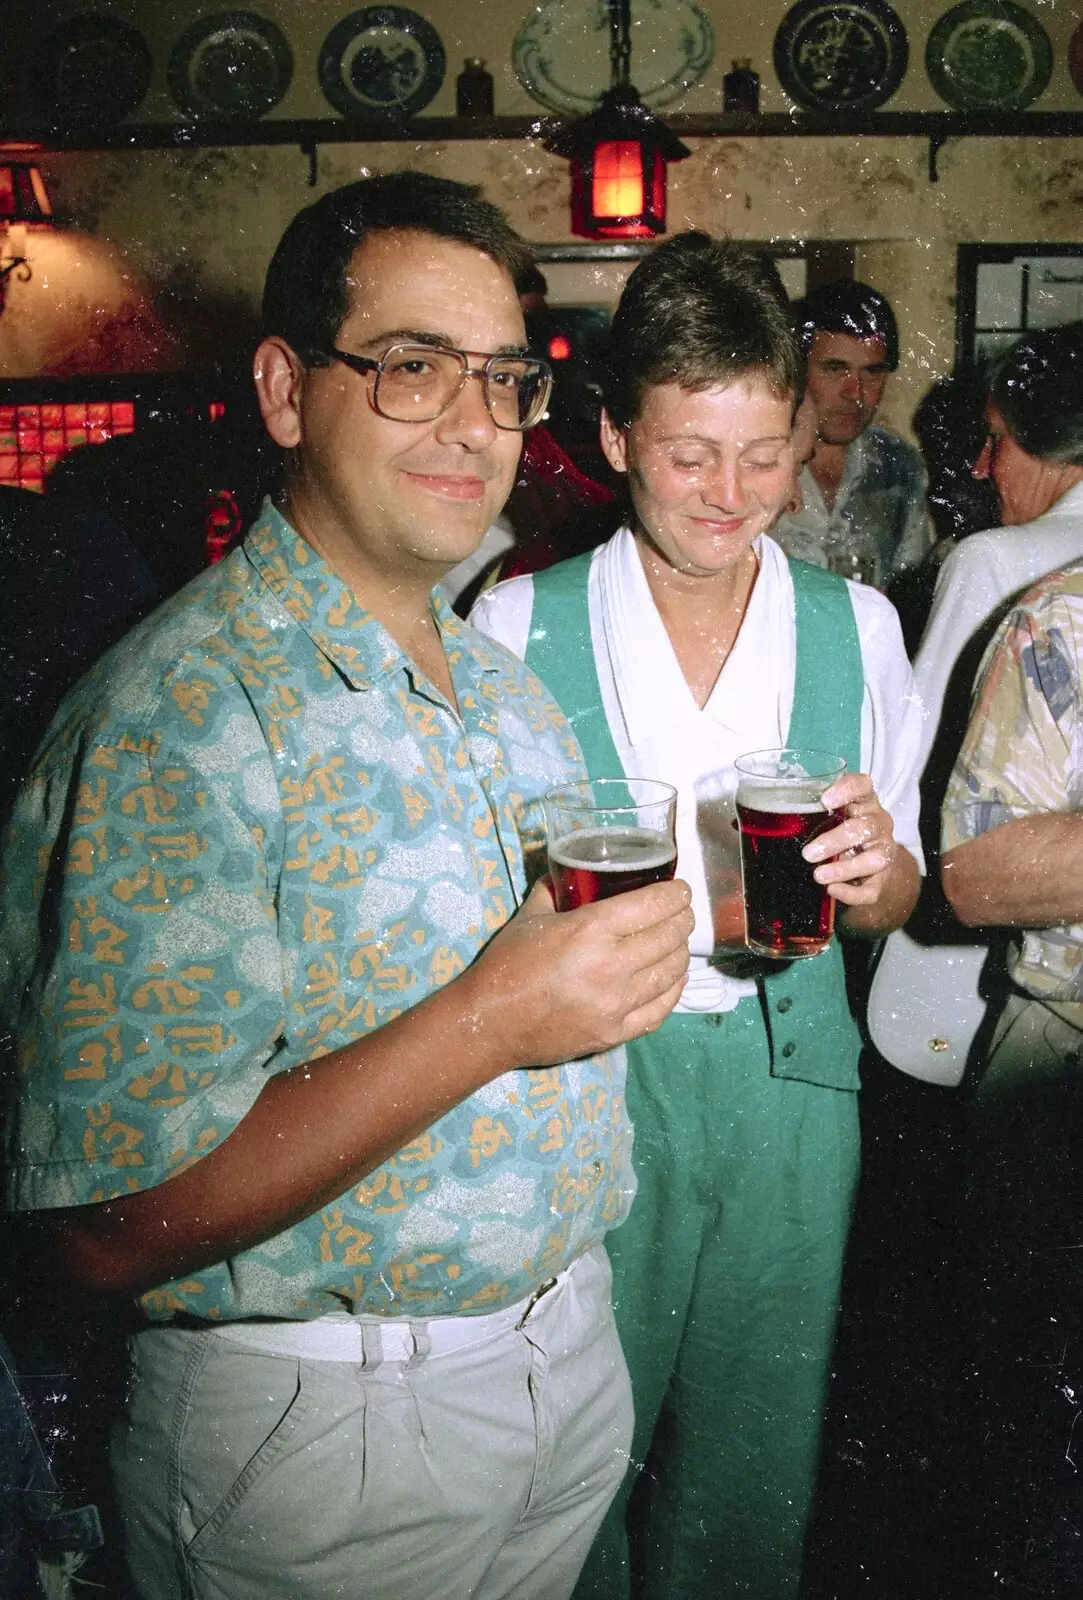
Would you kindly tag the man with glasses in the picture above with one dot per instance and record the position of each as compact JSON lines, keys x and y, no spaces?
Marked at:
{"x":293,"y":1033}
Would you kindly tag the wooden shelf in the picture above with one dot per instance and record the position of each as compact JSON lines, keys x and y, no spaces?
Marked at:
{"x":935,"y":126}
{"x":768,"y":125}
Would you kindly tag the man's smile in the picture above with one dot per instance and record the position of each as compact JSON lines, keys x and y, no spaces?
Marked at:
{"x":449,"y":485}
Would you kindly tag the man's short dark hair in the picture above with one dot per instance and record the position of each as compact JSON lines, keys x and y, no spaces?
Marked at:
{"x":698,"y":312}
{"x":846,"y":306}
{"x":306,"y":297}
{"x":1037,"y":387}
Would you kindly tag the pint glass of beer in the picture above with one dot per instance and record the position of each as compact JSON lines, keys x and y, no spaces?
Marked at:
{"x":606,"y":835}
{"x":779,"y":809}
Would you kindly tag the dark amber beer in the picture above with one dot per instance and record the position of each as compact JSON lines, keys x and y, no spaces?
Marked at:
{"x":606,"y":836}
{"x":779,"y":810}
{"x":594,"y":864}
{"x":787,"y":913}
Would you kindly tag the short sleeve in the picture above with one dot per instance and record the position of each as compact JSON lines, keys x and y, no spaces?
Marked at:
{"x":1021,"y":745}
{"x":143,"y":971}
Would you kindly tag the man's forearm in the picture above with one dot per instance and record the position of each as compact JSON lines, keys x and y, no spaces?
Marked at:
{"x":1027,"y":873}
{"x":547,"y":989}
{"x":313,"y":1131}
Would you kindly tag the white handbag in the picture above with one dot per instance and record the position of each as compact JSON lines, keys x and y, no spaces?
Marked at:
{"x":925,"y":1006}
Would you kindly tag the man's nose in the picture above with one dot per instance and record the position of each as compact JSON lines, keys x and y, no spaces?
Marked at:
{"x":850,"y":387}
{"x":468,"y":418}
{"x":983,"y":465}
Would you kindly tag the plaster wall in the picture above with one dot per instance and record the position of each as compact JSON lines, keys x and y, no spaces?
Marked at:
{"x":196,"y":227}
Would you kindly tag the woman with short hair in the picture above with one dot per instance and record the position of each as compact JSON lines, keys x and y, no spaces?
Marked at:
{"x":684,"y":642}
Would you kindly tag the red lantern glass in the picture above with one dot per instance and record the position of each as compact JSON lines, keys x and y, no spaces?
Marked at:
{"x":618,"y":158}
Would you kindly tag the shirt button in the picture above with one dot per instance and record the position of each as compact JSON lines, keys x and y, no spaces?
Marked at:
{"x":789,"y":1049}
{"x":597,"y":1168}
{"x":784,"y":1004}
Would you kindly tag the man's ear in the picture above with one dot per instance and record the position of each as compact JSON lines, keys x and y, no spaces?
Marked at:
{"x":614,"y":443}
{"x":279,"y":376}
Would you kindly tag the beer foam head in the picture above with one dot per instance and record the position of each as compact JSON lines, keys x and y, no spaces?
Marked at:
{"x":796,"y":797}
{"x":613,"y":849}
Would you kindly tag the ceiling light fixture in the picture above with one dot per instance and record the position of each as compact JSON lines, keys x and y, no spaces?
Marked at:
{"x":618,"y":153}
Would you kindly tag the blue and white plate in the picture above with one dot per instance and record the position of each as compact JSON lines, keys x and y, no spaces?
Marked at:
{"x":383,"y":61}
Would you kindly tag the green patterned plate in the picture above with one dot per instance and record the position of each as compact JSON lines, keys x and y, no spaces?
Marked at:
{"x":988,"y":55}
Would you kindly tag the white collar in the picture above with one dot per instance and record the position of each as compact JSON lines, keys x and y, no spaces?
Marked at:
{"x":656,"y":705}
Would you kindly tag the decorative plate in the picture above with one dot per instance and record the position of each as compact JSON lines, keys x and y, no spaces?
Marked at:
{"x":561,"y":52}
{"x":233,"y":64}
{"x":988,"y":55}
{"x":1075,"y":57}
{"x":90,"y":72}
{"x":841,"y":55}
{"x":383,"y":61}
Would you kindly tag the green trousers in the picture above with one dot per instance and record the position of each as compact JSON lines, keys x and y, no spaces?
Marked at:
{"x":726,"y":1284}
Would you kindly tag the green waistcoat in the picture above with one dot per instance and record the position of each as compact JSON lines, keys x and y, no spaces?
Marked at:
{"x":812,"y":1035}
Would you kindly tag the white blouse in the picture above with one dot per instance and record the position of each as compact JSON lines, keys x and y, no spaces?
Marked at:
{"x":660,"y":732}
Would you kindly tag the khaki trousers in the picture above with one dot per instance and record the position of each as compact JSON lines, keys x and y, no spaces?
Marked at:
{"x":467,"y":1458}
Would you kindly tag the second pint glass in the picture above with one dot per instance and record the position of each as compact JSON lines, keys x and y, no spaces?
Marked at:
{"x":608,"y":835}
{"x":779,"y":809}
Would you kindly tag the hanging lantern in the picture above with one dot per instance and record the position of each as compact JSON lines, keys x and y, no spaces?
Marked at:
{"x":23,"y":196}
{"x":618,"y":154}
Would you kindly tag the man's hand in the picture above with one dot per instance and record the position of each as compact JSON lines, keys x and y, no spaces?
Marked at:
{"x":566,"y":984}
{"x":860,"y":862}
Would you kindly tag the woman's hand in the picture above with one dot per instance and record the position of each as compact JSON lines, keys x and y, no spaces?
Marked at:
{"x":855,"y":857}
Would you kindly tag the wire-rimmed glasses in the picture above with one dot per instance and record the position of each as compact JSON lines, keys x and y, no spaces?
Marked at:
{"x":418,"y":382}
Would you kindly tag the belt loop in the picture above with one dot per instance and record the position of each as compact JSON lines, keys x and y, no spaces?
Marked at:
{"x":542,"y":1289}
{"x":372,"y":1346}
{"x":419,"y":1332}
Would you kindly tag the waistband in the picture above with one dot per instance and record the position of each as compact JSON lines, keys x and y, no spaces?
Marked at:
{"x":367,"y":1340}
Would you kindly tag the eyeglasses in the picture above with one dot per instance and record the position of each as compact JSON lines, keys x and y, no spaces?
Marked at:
{"x":418,"y":382}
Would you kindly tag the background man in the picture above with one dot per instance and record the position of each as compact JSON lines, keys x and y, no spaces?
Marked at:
{"x":271,"y":1001}
{"x":1013,"y":841}
{"x":865,"y":513}
{"x":1033,"y":454}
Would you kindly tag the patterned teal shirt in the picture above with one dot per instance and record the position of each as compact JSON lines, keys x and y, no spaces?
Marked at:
{"x":253,"y":834}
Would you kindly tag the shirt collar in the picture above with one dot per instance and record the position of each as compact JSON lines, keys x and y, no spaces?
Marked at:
{"x":333,"y":616}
